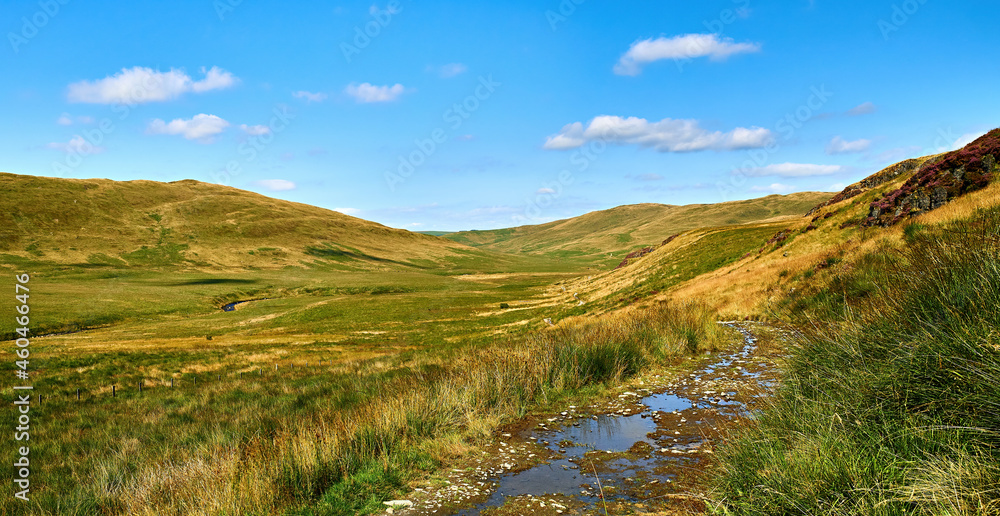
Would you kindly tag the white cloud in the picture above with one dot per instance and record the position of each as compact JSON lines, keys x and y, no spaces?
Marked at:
{"x":368,"y":93}
{"x":900,"y":153}
{"x":774,"y":188}
{"x":795,"y":170}
{"x":201,"y":127}
{"x":138,"y":85}
{"x":688,"y":46}
{"x":452,"y":70}
{"x":836,"y":187}
{"x":390,"y":8}
{"x":862,"y":109}
{"x":348,"y":211}
{"x":309,"y":96}
{"x":275,"y":185}
{"x":965,"y":139}
{"x":255,"y":130}
{"x":545,"y":191}
{"x":839,"y":145}
{"x":667,"y":135}
{"x":66,"y":119}
{"x":78,"y":145}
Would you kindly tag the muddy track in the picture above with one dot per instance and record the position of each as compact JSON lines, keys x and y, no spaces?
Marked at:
{"x":643,"y":450}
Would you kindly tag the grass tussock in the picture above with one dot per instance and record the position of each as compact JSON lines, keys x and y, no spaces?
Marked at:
{"x":896,"y":408}
{"x":337,"y":459}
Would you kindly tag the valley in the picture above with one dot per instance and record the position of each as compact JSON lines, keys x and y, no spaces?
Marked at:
{"x":198,"y":349}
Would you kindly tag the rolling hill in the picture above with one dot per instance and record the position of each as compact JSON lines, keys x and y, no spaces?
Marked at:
{"x":607,"y":235}
{"x":148,"y":223}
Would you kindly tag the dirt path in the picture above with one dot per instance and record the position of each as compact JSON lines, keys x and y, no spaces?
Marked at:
{"x":643,"y":450}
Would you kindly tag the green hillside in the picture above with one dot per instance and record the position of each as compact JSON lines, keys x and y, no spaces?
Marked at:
{"x":148,"y":223}
{"x":605,"y":236}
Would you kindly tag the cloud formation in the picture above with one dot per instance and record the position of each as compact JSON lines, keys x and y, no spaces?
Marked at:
{"x":78,"y":145}
{"x":667,"y":135}
{"x":202,"y":128}
{"x":139,"y":85}
{"x":862,"y":109}
{"x":774,"y":188}
{"x":452,"y":69}
{"x":276,"y":185}
{"x":309,"y":96}
{"x":688,"y":46}
{"x":366,"y":93}
{"x":794,"y":170}
{"x":255,"y":130}
{"x":839,"y":145}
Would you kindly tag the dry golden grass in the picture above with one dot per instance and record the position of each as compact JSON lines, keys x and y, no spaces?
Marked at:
{"x":478,"y":391}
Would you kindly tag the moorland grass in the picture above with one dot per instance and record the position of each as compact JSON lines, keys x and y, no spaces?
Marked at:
{"x":894,"y":408}
{"x":336,"y":439}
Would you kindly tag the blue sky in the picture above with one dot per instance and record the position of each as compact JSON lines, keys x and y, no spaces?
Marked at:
{"x":440,"y":115}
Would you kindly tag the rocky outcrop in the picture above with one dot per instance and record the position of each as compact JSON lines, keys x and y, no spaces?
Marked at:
{"x":635,"y":255}
{"x":877,"y":179}
{"x":939,"y":181}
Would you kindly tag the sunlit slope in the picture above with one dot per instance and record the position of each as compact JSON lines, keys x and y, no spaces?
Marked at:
{"x":755,"y":269}
{"x":608,"y":234}
{"x":148,"y":223}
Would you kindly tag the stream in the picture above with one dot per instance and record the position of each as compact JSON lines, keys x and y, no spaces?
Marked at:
{"x":645,"y":448}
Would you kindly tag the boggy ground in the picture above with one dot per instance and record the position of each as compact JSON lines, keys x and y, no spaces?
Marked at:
{"x":643,"y":449}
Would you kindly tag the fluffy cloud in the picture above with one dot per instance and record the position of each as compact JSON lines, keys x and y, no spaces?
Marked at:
{"x":667,"y":135}
{"x":66,"y":119}
{"x":795,"y":170}
{"x":688,"y":46}
{"x":774,"y":188}
{"x":452,"y":70}
{"x":862,"y":109}
{"x":76,"y":144}
{"x":140,"y":85}
{"x":348,"y":211}
{"x":367,"y":93}
{"x":309,"y":96}
{"x":966,"y":139}
{"x":255,"y":130}
{"x":201,"y":127}
{"x":839,"y":145}
{"x":275,"y":185}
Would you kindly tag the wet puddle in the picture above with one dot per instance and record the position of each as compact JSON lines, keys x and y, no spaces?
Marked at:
{"x":646,"y":446}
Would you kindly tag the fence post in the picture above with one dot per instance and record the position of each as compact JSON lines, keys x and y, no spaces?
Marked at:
{"x":77,"y":394}
{"x":171,"y":382}
{"x":140,"y":386}
{"x":113,"y":393}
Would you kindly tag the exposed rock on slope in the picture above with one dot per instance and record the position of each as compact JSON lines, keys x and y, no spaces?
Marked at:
{"x":939,"y":180}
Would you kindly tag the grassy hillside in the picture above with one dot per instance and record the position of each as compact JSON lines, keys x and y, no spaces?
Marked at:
{"x":606,"y":236}
{"x":146,"y":223}
{"x":760,"y":269}
{"x":890,"y":406}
